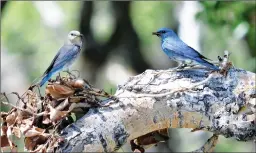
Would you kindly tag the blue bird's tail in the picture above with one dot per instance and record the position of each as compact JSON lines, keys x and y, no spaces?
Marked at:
{"x":45,"y":79}
{"x":207,"y":64}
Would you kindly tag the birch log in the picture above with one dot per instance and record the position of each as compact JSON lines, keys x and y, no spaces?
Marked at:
{"x":156,"y":100}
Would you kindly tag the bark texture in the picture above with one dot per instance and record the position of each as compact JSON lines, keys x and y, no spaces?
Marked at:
{"x":153,"y":100}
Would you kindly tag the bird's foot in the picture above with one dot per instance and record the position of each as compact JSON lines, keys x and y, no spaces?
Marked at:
{"x":181,"y":66}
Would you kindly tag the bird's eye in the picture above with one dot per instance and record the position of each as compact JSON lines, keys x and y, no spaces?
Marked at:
{"x":163,"y":31}
{"x":72,"y":34}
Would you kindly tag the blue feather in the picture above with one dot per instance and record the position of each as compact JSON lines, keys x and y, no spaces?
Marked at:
{"x":45,"y":79}
{"x":63,"y":59}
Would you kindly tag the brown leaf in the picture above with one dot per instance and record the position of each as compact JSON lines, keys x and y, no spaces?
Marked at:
{"x":19,"y":118}
{"x":63,"y":104}
{"x":24,"y":128}
{"x":29,"y":143}
{"x":136,"y":148}
{"x":32,"y":98}
{"x":79,"y":83}
{"x":24,"y":115}
{"x":163,"y":132}
{"x":10,"y":119}
{"x":28,"y":121}
{"x":34,"y":131}
{"x":146,"y":140}
{"x":4,"y":141}
{"x":40,"y":148}
{"x":56,"y":114}
{"x":75,"y":100}
{"x":32,"y":142}
{"x":16,"y":132}
{"x":4,"y":130}
{"x":58,"y":91}
{"x":153,"y":137}
{"x":53,"y":143}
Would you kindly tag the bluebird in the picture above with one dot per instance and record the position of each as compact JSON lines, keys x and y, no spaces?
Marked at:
{"x":65,"y":57}
{"x":177,"y":50}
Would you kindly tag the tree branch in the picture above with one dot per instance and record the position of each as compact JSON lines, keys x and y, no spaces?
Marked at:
{"x":152,"y":101}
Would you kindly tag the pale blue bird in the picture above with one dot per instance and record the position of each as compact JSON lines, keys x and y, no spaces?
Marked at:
{"x":65,"y":57}
{"x":177,"y":50}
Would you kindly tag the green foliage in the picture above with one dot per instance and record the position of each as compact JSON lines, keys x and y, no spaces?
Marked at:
{"x":220,"y":14}
{"x":148,"y":17}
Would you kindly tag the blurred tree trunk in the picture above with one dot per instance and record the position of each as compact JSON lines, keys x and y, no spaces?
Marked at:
{"x":123,"y":38}
{"x":3,"y":4}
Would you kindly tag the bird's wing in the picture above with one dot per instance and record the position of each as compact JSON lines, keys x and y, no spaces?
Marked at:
{"x":197,"y":53}
{"x":64,"y":54}
{"x":52,"y":63}
{"x":180,"y":48}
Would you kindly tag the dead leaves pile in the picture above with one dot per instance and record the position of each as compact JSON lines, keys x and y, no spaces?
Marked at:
{"x":39,"y":119}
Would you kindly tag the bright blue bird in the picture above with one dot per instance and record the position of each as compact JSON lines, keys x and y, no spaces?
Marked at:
{"x":65,"y":57}
{"x":177,"y":50}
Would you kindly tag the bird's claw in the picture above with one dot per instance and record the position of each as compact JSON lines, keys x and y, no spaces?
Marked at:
{"x":181,"y":66}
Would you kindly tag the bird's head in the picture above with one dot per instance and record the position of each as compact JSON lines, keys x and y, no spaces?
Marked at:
{"x":75,"y":37}
{"x":164,"y":32}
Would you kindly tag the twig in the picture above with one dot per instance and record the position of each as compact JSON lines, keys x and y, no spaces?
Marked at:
{"x":10,"y":104}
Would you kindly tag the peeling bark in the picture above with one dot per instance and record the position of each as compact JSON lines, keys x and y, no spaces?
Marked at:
{"x":156,"y":100}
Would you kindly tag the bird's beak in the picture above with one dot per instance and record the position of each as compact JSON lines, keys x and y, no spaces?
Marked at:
{"x":156,"y":33}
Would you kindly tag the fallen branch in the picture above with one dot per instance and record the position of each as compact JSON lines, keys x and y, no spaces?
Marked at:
{"x":140,"y":112}
{"x":148,"y":102}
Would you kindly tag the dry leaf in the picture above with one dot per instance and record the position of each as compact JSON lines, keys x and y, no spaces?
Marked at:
{"x":58,"y":91}
{"x":56,"y":114}
{"x":10,"y":119}
{"x":34,"y":131}
{"x":29,"y":143}
{"x":32,"y":142}
{"x":33,"y":98}
{"x":4,"y":130}
{"x":4,"y":141}
{"x":19,"y":118}
{"x":40,"y":148}
{"x":62,"y":105}
{"x":53,"y":143}
{"x":27,"y":121}
{"x":50,"y":109}
{"x":24,"y":128}
{"x":16,"y":132}
{"x":79,"y":83}
{"x":74,"y":100}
